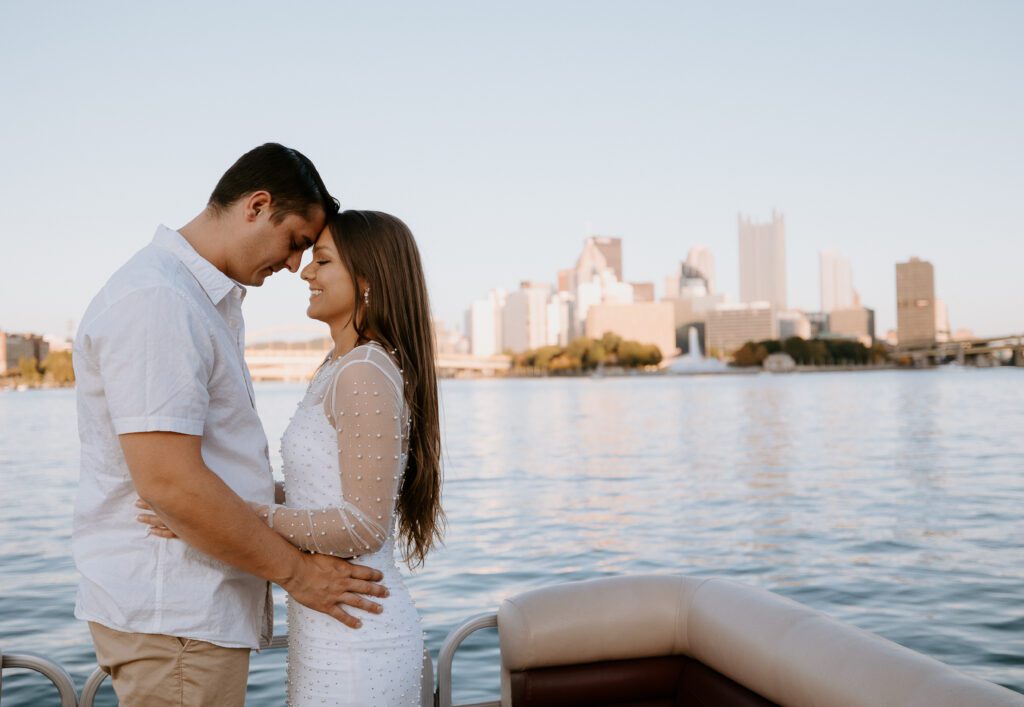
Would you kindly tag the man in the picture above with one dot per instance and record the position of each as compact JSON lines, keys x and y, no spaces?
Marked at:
{"x":166,"y":413}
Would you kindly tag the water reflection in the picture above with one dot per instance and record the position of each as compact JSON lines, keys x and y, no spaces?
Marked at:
{"x":891,"y":500}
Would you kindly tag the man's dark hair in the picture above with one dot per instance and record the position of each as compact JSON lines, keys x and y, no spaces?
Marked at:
{"x":288,"y":175}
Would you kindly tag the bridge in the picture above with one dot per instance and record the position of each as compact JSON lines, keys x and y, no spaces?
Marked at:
{"x":979,"y":352}
{"x":298,"y":363}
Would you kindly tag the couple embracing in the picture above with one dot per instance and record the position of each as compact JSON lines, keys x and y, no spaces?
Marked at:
{"x":179,"y":527}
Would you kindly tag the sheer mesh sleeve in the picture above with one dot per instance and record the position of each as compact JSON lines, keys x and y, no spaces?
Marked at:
{"x":364,"y":404}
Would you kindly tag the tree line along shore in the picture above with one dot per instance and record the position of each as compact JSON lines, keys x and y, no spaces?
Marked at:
{"x":582,"y":356}
{"x":54,"y":371}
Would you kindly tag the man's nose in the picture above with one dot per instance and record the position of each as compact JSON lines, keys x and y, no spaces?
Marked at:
{"x":294,"y":261}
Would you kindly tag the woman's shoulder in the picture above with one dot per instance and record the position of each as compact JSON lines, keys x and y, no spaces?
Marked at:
{"x":368,"y":358}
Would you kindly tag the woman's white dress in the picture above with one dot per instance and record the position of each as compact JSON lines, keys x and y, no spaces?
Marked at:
{"x":344,"y":456}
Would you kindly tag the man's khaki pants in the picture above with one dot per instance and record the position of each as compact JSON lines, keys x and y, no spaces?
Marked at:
{"x":153,"y":670}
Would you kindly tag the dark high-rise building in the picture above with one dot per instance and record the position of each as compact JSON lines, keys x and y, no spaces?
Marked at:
{"x":915,"y":303}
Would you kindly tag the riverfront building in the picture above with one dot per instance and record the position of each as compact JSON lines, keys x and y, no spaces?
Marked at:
{"x":484,"y":324}
{"x":915,"y":303}
{"x":853,"y":323}
{"x":524,"y":322}
{"x":14,"y":347}
{"x":561,"y":319}
{"x":646,"y":322}
{"x":643,"y":291}
{"x":793,"y":323}
{"x":729,"y":326}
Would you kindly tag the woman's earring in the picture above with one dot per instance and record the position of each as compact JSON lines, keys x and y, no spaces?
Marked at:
{"x":366,"y":296}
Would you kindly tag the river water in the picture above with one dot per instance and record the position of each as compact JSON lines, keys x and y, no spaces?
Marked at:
{"x":893,"y":500}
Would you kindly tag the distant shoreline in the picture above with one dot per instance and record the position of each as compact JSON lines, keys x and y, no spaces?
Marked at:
{"x":16,"y":385}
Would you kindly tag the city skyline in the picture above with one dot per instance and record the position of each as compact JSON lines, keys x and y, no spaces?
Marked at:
{"x":880,"y":131}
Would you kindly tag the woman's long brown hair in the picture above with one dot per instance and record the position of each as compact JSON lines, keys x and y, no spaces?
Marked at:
{"x":379,"y":250}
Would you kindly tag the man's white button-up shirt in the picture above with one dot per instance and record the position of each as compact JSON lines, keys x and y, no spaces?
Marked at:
{"x":161,"y":348}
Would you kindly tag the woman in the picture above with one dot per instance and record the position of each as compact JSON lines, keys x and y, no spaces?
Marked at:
{"x":362,"y":460}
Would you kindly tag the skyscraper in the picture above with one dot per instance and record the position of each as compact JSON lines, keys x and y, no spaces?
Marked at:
{"x":687,"y":282}
{"x":524,"y":319}
{"x":598,"y":276}
{"x":915,"y":302}
{"x":836,"y":281}
{"x":599,"y":253}
{"x":700,"y":258}
{"x":763,"y":261}
{"x":484,"y":324}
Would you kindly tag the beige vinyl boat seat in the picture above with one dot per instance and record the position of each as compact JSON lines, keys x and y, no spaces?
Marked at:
{"x":655,"y":640}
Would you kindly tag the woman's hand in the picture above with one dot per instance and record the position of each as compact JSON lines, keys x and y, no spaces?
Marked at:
{"x":156,"y":525}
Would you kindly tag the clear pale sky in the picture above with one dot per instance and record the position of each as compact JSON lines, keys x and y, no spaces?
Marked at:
{"x":502,"y":132}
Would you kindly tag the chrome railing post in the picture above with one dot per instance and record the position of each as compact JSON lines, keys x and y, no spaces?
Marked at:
{"x":91,"y":687}
{"x":70,"y":698}
{"x":55,"y":673}
{"x":447,"y":653}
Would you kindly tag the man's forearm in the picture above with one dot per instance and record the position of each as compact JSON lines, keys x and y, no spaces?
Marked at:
{"x":201,"y":509}
{"x":198,"y":507}
{"x":204,"y":512}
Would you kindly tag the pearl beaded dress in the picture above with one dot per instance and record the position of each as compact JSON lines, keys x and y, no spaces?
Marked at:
{"x":344,"y":455}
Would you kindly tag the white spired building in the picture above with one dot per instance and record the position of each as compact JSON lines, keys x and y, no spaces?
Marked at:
{"x":836,"y":282}
{"x":763,"y":261}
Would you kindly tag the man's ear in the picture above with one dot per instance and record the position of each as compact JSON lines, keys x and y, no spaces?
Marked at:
{"x":256,"y":204}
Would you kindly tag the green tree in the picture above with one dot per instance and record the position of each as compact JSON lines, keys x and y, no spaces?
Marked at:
{"x":594,"y":356}
{"x":578,"y":347}
{"x":544,"y":355}
{"x":57,"y":368}
{"x":651,"y":355}
{"x":879,"y":353}
{"x":611,"y":342}
{"x":750,"y":354}
{"x":629,"y":354}
{"x":796,"y":347}
{"x":564,"y":363}
{"x":818,"y":353}
{"x":29,"y":368}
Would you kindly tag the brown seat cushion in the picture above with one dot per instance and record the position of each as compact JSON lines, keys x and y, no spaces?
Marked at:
{"x":671,"y":681}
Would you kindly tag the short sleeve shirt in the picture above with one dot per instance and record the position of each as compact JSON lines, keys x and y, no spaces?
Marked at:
{"x":161,"y":348}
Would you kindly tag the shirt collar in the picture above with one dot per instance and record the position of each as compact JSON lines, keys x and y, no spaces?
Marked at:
{"x":215,"y":283}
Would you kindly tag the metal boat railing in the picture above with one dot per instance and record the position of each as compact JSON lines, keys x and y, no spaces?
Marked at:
{"x":442,"y":695}
{"x":56,"y":674}
{"x":92,"y":685}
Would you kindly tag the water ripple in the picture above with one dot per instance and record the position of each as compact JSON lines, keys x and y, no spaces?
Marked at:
{"x":891,"y":500}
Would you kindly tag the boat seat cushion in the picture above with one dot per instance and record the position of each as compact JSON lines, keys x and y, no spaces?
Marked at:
{"x":669,"y":681}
